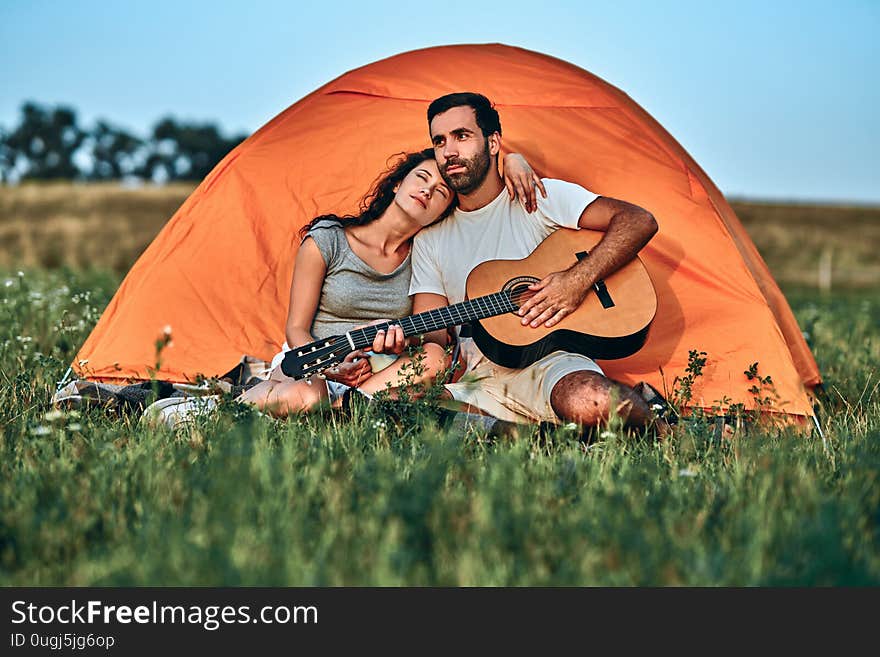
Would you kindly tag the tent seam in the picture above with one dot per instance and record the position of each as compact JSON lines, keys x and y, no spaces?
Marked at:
{"x":426,"y":100}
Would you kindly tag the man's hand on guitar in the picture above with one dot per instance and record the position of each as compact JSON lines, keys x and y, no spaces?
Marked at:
{"x":556,"y":295}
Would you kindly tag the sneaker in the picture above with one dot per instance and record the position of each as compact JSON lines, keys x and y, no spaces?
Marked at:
{"x":204,"y":389}
{"x":82,"y":393}
{"x":660,"y":408}
{"x":177,"y":412}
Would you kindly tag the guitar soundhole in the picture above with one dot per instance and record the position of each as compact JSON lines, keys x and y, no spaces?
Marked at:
{"x":518,"y":289}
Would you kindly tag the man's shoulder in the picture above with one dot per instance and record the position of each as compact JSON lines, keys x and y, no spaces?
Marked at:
{"x":564,"y":199}
{"x":562,"y":186}
{"x":435,"y":232}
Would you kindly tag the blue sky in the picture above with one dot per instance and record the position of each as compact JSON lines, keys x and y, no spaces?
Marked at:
{"x":775,"y":100}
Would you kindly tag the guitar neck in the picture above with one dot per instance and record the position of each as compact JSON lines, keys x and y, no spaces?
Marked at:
{"x":439,"y":318}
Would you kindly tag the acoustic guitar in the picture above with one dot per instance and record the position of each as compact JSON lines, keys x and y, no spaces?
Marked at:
{"x":611,"y":322}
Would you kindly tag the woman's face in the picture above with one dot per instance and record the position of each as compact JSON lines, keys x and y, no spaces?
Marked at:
{"x":423,"y":194}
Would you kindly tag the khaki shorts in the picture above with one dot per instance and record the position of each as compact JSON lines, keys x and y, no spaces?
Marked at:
{"x":515,"y":395}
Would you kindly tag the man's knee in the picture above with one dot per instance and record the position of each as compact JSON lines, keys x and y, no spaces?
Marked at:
{"x":590,"y":398}
{"x":583,"y":397}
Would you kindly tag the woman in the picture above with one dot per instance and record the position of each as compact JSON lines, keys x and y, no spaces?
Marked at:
{"x":350,"y":270}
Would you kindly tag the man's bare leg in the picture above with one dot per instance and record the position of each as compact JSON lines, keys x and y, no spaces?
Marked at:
{"x":586,"y":398}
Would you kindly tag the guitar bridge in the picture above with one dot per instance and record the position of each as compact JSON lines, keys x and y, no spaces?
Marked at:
{"x":600,"y":288}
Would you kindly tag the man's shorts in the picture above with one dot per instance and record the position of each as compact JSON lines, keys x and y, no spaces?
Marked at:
{"x":515,"y":395}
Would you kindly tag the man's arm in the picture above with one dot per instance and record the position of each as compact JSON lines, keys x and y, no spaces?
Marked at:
{"x":627,"y":229}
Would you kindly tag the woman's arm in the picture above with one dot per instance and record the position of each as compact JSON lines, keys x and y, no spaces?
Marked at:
{"x":305,"y":292}
{"x":309,"y":270}
{"x":521,"y":181}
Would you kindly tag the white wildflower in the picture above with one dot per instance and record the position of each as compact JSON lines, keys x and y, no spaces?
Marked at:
{"x":8,"y":282}
{"x":605,"y":435}
{"x":74,"y":426}
{"x":54,"y":414}
{"x":41,"y":431}
{"x":687,"y":472}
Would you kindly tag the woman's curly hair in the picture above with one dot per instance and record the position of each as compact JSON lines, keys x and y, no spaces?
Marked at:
{"x":381,"y":193}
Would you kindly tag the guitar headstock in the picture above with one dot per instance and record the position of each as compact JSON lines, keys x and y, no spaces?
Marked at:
{"x":314,"y":358}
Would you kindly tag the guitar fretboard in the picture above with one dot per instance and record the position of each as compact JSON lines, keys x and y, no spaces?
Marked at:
{"x":440,"y":318}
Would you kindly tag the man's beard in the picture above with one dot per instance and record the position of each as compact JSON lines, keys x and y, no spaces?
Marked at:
{"x":475,"y":170}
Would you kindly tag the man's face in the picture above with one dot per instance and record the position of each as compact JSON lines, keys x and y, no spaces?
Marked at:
{"x":462,"y":152}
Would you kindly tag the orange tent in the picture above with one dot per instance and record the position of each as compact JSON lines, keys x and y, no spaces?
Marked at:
{"x":219,"y":272}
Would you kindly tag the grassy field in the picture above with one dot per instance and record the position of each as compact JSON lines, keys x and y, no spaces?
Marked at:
{"x":106,"y":226}
{"x":239,"y":499}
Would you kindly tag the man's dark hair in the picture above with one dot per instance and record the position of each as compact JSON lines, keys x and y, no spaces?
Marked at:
{"x":487,"y":116}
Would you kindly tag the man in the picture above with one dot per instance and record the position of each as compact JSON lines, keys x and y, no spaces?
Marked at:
{"x":561,"y":387}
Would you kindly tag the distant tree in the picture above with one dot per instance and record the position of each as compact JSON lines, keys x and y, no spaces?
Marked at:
{"x":48,"y":142}
{"x":113,"y":152}
{"x":185,"y":151}
{"x":7,"y":158}
{"x":45,"y":141}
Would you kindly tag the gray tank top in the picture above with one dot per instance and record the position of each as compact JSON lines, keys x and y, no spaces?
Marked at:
{"x":354,"y":293}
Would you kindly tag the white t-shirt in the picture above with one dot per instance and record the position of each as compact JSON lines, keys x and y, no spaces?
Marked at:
{"x":444,"y":254}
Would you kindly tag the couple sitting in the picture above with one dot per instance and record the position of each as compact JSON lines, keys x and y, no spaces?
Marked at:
{"x":424,"y":226}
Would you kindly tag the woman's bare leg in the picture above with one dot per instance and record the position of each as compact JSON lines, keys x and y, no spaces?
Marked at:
{"x":281,"y":398}
{"x":434,"y":361}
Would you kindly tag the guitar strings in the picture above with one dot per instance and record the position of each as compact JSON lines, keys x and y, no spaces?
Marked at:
{"x":515,"y":297}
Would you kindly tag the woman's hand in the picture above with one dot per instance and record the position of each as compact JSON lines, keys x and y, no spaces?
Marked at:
{"x":352,"y":371}
{"x":521,"y":181}
{"x":355,"y":368}
{"x":390,"y":341}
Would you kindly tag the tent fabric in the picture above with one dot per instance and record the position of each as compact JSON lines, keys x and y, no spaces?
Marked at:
{"x":218,"y":274}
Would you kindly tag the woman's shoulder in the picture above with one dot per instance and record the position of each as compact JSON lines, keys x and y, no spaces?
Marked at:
{"x":322,"y":225}
{"x":326,"y":231}
{"x":329,"y":236}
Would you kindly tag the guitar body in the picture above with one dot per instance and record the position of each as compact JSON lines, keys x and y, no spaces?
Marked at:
{"x":610,"y":323}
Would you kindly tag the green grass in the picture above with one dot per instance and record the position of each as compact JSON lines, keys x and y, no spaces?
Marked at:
{"x":90,"y":499}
